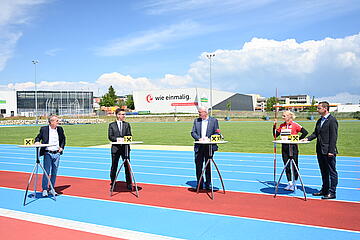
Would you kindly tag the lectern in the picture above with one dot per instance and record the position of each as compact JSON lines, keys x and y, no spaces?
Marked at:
{"x":36,"y":169}
{"x":292,"y":164}
{"x":125,"y":160}
{"x":209,"y":161}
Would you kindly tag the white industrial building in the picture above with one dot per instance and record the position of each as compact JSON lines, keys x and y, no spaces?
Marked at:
{"x":8,"y":103}
{"x":187,"y":100}
{"x":348,"y":108}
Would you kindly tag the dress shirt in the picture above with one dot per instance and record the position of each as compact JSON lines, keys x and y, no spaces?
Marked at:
{"x":204,"y":125}
{"x":323,"y":119}
{"x":53,"y":139}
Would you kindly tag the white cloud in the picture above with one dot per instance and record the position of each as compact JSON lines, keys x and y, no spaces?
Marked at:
{"x":13,"y":13}
{"x":54,"y":86}
{"x":343,"y":98}
{"x":171,"y":80}
{"x":7,"y":45}
{"x":124,"y":84}
{"x":121,"y":83}
{"x":153,"y":39}
{"x":320,"y":67}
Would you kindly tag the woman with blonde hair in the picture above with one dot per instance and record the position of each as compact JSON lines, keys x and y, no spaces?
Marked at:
{"x":287,"y":128}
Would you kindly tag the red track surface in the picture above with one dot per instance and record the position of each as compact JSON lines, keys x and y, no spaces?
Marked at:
{"x":17,"y":229}
{"x":323,"y":213}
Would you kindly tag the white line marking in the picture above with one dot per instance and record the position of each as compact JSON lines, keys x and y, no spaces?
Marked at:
{"x":81,"y":226}
{"x":180,"y":210}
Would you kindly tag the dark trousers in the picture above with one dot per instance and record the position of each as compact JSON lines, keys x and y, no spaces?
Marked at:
{"x":201,"y":156}
{"x":115,"y":162}
{"x":328,"y":171}
{"x":285,"y":150}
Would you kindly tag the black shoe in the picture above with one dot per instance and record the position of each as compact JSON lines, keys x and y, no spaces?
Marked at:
{"x":208,"y":186}
{"x":320,"y":193}
{"x":200,"y":187}
{"x":129,"y":187}
{"x":329,"y":196}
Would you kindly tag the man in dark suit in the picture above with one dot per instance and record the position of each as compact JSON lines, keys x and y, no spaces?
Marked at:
{"x":118,"y":130}
{"x":326,"y":132}
{"x":51,"y":134}
{"x":203,"y":128}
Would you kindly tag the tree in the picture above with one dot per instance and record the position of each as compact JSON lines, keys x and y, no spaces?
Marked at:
{"x":312,"y":107}
{"x":130,"y":102}
{"x":270,"y":103}
{"x":109,"y":99}
{"x":228,"y":105}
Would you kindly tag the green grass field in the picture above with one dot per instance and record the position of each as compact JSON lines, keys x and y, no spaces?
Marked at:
{"x":242,"y":136}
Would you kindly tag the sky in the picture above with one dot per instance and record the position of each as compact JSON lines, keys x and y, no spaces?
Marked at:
{"x":298,"y":47}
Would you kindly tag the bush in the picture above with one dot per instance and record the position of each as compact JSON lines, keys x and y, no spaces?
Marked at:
{"x":357,"y":115}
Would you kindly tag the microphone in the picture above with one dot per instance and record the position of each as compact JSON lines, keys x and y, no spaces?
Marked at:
{"x":219,"y":132}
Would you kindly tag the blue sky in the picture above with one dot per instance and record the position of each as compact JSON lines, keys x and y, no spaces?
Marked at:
{"x":299,"y":47}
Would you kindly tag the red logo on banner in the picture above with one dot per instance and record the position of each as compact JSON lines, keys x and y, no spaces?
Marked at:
{"x":149,"y":98}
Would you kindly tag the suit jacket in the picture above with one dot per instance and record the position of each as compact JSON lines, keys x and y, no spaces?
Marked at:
{"x":43,"y":137}
{"x":213,"y":125}
{"x":114,"y":133}
{"x":326,"y":135}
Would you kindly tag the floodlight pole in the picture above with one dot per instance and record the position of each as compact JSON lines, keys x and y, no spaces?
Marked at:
{"x":210,"y":56}
{"x":36,"y":104}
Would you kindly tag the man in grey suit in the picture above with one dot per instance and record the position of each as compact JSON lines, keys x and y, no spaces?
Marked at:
{"x":326,"y":132}
{"x":119,"y":129}
{"x":203,"y":128}
{"x":51,"y":134}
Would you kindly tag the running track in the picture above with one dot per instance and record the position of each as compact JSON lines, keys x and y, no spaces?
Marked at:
{"x":168,"y":207}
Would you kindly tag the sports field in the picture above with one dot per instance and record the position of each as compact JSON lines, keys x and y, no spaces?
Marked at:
{"x":168,"y":207}
{"x":243,"y":136}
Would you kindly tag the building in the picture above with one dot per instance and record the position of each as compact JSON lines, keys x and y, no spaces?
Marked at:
{"x":294,"y":102}
{"x":236,"y":102}
{"x":187,"y":100}
{"x":14,"y":103}
{"x":8,"y":105}
{"x":259,"y":102}
{"x":54,"y":102}
{"x":348,"y":108}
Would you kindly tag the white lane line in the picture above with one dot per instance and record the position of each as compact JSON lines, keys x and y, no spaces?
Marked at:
{"x":81,"y":226}
{"x":215,"y":214}
{"x":220,"y":158}
{"x":173,"y":162}
{"x":186,"y":176}
{"x":176,"y":168}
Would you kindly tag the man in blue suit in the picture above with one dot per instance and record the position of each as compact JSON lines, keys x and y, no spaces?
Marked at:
{"x":203,"y":128}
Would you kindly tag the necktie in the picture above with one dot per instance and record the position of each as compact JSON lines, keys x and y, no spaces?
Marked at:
{"x":322,"y":121}
{"x":120,"y":127}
